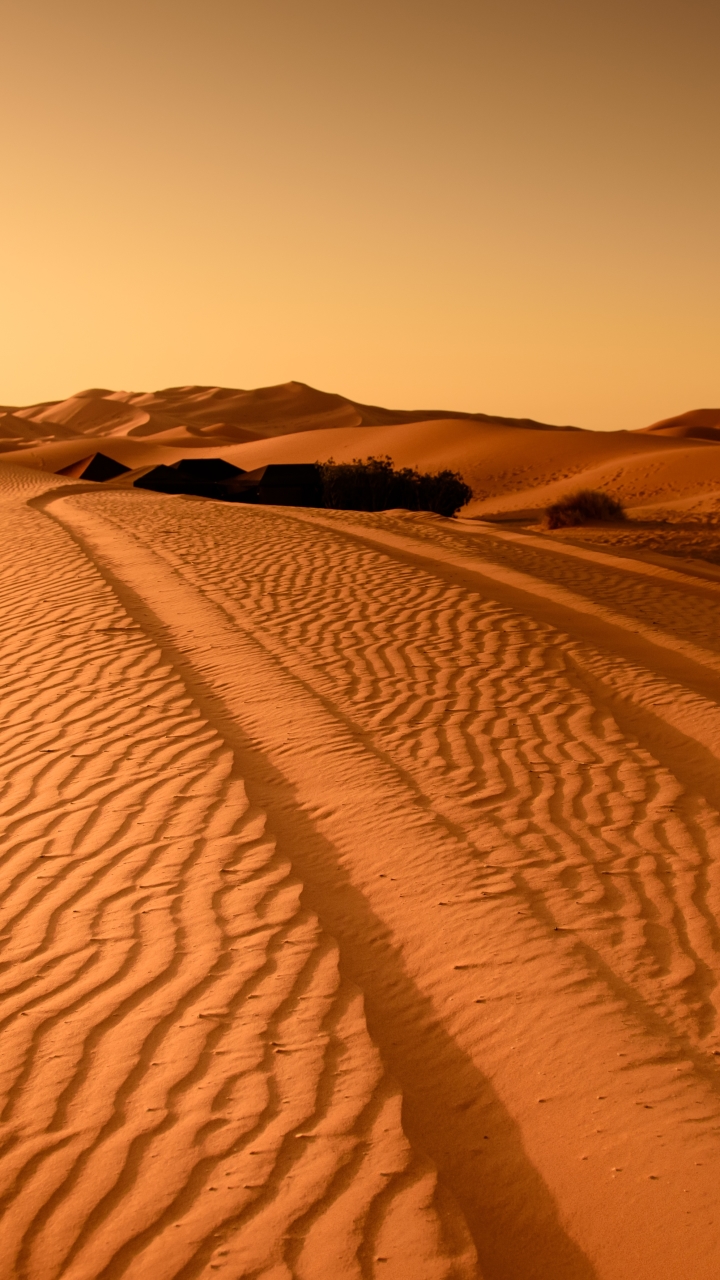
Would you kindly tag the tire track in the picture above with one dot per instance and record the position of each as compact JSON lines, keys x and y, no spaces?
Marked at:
{"x":574,"y":868}
{"x":401,"y":652}
{"x":188,"y":1084}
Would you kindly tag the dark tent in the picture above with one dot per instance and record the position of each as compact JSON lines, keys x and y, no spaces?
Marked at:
{"x":204,"y":477}
{"x":104,"y":468}
{"x":289,"y":484}
{"x":282,"y":484}
{"x":96,"y":467}
{"x":207,"y":469}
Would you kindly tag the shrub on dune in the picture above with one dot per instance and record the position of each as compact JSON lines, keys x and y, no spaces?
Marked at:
{"x":583,"y":507}
{"x":375,"y":485}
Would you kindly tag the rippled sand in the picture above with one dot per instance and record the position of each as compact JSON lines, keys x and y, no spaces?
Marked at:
{"x":360,"y":897}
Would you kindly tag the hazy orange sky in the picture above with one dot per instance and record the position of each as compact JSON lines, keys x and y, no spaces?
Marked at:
{"x":510,"y":207}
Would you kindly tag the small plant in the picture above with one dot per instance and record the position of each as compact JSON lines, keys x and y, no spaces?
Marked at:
{"x":582,"y":508}
{"x":375,"y":485}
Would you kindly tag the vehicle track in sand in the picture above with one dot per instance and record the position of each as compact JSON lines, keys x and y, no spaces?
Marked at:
{"x":188,"y":1086}
{"x":513,"y":833}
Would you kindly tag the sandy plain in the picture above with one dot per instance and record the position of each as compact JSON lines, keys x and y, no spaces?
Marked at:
{"x":360,"y":874}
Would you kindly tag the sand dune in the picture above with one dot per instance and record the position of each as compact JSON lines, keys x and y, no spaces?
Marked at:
{"x":699,"y":424}
{"x":360,"y":896}
{"x":512,"y":465}
{"x":360,"y":882}
{"x":193,"y":415}
{"x":509,"y":468}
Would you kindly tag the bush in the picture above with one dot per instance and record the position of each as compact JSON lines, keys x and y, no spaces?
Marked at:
{"x":581,"y":508}
{"x":374,"y":485}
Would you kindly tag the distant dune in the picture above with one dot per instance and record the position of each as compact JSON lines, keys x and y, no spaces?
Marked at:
{"x":512,"y":464}
{"x":195,"y":415}
{"x":698,"y":424}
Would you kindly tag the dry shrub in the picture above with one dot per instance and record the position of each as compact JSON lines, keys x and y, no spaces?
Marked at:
{"x":375,"y":485}
{"x":582,"y":508}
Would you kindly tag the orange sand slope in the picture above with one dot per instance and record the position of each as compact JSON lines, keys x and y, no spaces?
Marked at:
{"x":512,"y":465}
{"x":698,"y":424}
{"x":202,"y":415}
{"x":361,"y":897}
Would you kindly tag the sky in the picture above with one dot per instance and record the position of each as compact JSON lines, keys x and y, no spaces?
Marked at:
{"x":501,"y":206}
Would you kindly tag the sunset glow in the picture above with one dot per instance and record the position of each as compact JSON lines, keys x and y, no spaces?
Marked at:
{"x":502,"y":206}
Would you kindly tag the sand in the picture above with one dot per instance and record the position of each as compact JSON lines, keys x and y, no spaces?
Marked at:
{"x":360,"y":886}
{"x":512,"y":465}
{"x":188,"y":1079}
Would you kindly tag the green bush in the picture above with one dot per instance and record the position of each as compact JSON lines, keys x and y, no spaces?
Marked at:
{"x":582,"y":508}
{"x":375,"y":485}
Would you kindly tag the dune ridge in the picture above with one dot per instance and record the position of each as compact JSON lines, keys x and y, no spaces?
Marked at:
{"x":200,"y":415}
{"x":697,"y":424}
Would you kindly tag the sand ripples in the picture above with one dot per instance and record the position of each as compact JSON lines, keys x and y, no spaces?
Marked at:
{"x":492,"y":716}
{"x":511,"y":831}
{"x":188,"y":1084}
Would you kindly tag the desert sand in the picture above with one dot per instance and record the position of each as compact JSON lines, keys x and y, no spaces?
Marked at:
{"x":360,"y":874}
{"x":513,"y":465}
